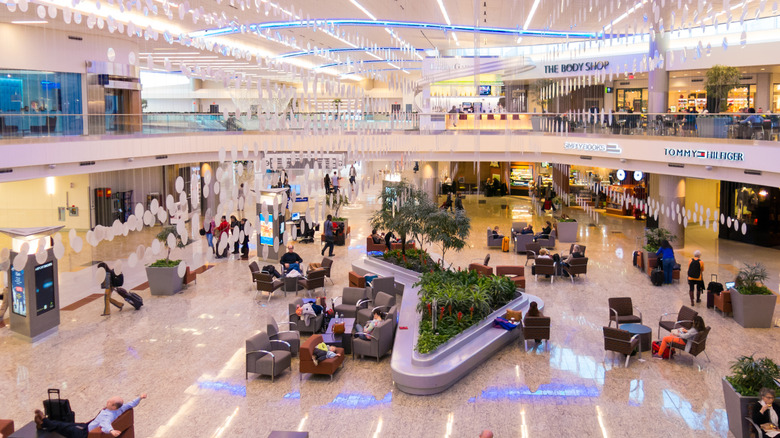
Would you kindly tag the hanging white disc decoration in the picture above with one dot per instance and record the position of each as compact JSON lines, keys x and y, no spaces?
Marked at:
{"x":132,"y":260}
{"x":179,"y":184}
{"x":715,"y":226}
{"x":156,"y":246}
{"x":736,"y":225}
{"x":728,"y":221}
{"x":181,"y":269}
{"x":744,"y":228}
{"x":722,"y":218}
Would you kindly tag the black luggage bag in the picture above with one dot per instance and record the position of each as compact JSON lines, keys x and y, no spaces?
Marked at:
{"x":132,"y":298}
{"x":58,"y":409}
{"x":635,"y":257}
{"x":657,"y":277}
{"x":714,"y":286}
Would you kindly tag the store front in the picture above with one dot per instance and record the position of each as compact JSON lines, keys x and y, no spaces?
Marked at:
{"x":631,"y":99}
{"x":687,"y":92}
{"x":751,"y":213}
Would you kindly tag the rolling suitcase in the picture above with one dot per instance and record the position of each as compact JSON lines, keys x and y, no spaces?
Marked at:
{"x":505,"y":244}
{"x":57,"y":408}
{"x":714,"y":287}
{"x":657,"y":277}
{"x":637,"y":256}
{"x":132,"y":298}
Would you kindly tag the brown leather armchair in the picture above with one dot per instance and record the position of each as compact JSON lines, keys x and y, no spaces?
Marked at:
{"x":514,"y":273}
{"x":266,"y":283}
{"x":326,"y":264}
{"x":698,"y":344}
{"x":684,"y":319}
{"x":620,"y":341}
{"x":722,"y":302}
{"x":544,"y":266}
{"x":536,"y":328}
{"x":576,"y":267}
{"x":531,"y":250}
{"x":124,"y":423}
{"x":327,"y":366}
{"x":621,"y":311}
{"x":481,"y":269}
{"x":371,"y":246}
{"x":6,"y":426}
{"x":313,"y":280}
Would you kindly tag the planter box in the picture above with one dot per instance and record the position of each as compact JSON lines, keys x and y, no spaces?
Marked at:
{"x":649,"y":261}
{"x":164,"y":281}
{"x":753,"y":311}
{"x":737,"y":410}
{"x":567,"y":231}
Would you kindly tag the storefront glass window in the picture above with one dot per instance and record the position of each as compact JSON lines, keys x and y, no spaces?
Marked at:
{"x":634,"y":99}
{"x":741,"y":98}
{"x":776,"y":99}
{"x":40,"y":102}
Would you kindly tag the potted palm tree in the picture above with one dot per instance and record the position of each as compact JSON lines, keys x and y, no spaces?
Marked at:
{"x":163,"y":275}
{"x":740,"y":389}
{"x":753,"y":303}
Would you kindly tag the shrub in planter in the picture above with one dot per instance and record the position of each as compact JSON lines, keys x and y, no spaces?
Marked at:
{"x":163,"y":275}
{"x":654,"y":237}
{"x":740,"y":389}
{"x":753,"y":303}
{"x":750,"y":280}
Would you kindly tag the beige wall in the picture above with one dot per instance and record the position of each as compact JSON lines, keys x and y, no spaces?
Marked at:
{"x":705,"y":192}
{"x":27,"y":203}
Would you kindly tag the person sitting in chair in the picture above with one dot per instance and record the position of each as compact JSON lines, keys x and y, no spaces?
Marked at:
{"x":291,"y":260}
{"x":390,"y":240}
{"x":682,"y":336}
{"x":527,"y":230}
{"x":375,"y":237}
{"x":765,"y":413}
{"x":114,"y":408}
{"x":376,"y":317}
{"x":545,"y":231}
{"x":495,"y":232}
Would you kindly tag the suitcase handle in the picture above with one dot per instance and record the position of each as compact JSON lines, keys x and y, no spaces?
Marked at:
{"x":714,"y":278}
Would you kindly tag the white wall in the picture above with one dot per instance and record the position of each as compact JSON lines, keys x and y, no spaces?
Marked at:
{"x":140,"y":181}
{"x":28,"y":203}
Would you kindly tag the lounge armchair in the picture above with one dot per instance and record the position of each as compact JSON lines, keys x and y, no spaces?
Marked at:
{"x":379,"y":342}
{"x":493,"y":241}
{"x":267,"y":357}
{"x":516,"y":227}
{"x":326,"y":264}
{"x":314,"y":279}
{"x":123,"y":423}
{"x":7,"y":426}
{"x":382,"y":302}
{"x":549,"y":241}
{"x":544,"y":266}
{"x":514,"y":273}
{"x":522,"y":241}
{"x":327,"y":366}
{"x":371,"y":246}
{"x":722,"y":302}
{"x":483,"y":270}
{"x":582,"y":249}
{"x":266,"y":283}
{"x":387,"y":285}
{"x":292,"y":337}
{"x":621,"y":311}
{"x":576,"y":267}
{"x":536,"y":327}
{"x":350,"y":297}
{"x":698,"y":344}
{"x":531,"y":251}
{"x":621,"y":341}
{"x":684,"y":319}
{"x":314,"y":324}
{"x":356,"y":280}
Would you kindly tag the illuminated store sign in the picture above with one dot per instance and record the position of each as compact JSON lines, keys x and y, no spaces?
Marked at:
{"x":576,"y":67}
{"x":707,"y":155}
{"x":593,"y":147}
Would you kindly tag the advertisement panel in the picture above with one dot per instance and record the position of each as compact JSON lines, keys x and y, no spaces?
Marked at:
{"x":19,"y":301}
{"x":266,"y":230}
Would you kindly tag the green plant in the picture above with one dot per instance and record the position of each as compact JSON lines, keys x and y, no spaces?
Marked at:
{"x":567,"y":219}
{"x":654,"y":237}
{"x":414,"y":260}
{"x":720,"y":80}
{"x":540,"y":92}
{"x":165,"y":263}
{"x":162,"y":236}
{"x":749,"y":375}
{"x":750,"y":280}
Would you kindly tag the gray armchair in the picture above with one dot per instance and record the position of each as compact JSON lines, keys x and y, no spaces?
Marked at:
{"x":379,"y":341}
{"x":292,"y":337}
{"x":549,"y":241}
{"x":387,"y":285}
{"x":493,"y":240}
{"x":521,"y":240}
{"x":516,"y":227}
{"x":531,"y":251}
{"x":350,"y":297}
{"x":266,"y":357}
{"x":314,"y":324}
{"x":382,"y":302}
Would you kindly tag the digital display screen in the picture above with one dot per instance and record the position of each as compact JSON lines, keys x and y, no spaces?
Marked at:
{"x":730,"y":284}
{"x":484,"y":90}
{"x":17,"y":292}
{"x":296,"y":216}
{"x":44,"y":287}
{"x":266,"y":230}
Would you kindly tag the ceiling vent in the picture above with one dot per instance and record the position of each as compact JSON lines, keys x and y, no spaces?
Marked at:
{"x":75,"y":38}
{"x":678,"y":165}
{"x":753,"y":172}
{"x":87,"y":163}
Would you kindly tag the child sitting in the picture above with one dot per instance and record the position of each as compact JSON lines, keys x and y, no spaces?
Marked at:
{"x":376,"y":318}
{"x":323,"y":352}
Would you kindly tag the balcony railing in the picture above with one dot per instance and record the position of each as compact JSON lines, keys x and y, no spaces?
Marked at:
{"x":731,"y":126}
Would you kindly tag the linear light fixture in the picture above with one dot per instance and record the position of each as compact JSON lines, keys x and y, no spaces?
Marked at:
{"x":444,"y":11}
{"x":365,"y":11}
{"x":30,"y":22}
{"x":531,"y":14}
{"x":625,"y":14}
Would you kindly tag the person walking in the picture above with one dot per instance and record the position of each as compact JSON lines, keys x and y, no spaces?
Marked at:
{"x":209,"y":228}
{"x":695,"y":276}
{"x":352,"y":175}
{"x":330,"y":238}
{"x":458,"y":202}
{"x":233,"y":224}
{"x":109,"y":289}
{"x":335,"y":182}
{"x":666,"y":255}
{"x":326,"y":183}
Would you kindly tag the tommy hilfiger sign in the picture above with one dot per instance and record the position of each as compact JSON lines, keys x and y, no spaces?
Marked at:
{"x":707,"y":155}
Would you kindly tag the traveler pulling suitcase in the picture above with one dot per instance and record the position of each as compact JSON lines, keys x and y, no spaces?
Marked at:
{"x":132,"y":298}
{"x":657,"y":277}
{"x":505,"y":244}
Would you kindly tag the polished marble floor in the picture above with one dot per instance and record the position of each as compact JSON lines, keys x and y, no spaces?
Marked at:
{"x":187,"y":352}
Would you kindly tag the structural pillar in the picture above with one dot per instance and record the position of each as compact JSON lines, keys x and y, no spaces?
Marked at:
{"x":658,"y":78}
{"x":669,"y":190}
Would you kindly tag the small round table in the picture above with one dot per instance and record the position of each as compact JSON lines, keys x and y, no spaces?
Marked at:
{"x":645,"y":334}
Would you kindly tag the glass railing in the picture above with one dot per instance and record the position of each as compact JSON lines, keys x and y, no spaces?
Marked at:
{"x":728,"y":126}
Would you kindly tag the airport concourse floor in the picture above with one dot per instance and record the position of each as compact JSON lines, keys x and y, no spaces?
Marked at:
{"x":187,"y":351}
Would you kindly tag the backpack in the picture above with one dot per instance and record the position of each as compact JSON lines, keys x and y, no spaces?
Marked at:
{"x":694,"y":269}
{"x":117,"y":280}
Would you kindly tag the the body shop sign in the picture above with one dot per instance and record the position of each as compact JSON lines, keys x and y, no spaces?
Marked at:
{"x":576,"y":67}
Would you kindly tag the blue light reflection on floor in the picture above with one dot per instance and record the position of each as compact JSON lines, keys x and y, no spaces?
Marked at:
{"x":295,"y":395}
{"x":356,"y":400}
{"x":361,"y":247}
{"x":133,"y":352}
{"x":216,"y":385}
{"x":636,"y":395}
{"x":546,"y":391}
{"x":675,"y":404}
{"x":566,"y":359}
